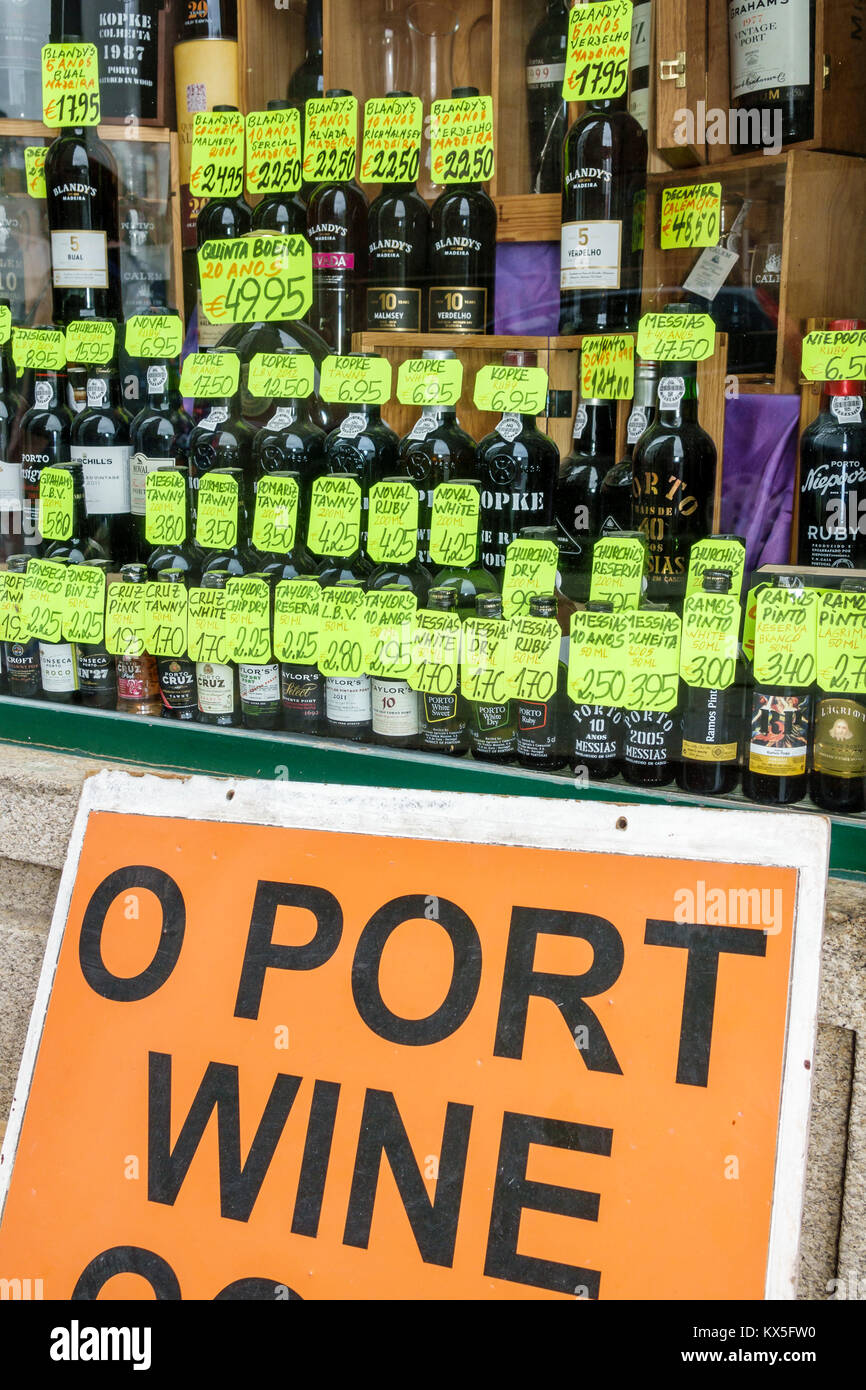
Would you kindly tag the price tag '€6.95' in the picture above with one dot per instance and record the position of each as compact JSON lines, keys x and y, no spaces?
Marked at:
{"x":154,"y":335}
{"x":423,"y":381}
{"x":511,"y":390}
{"x":261,"y":276}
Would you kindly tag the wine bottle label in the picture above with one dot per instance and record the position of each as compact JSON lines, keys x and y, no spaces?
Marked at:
{"x":216,"y":688}
{"x":580,"y":421}
{"x":10,"y":486}
{"x":300,"y":688}
{"x":97,"y":392}
{"x":847,"y":409}
{"x":59,"y":668}
{"x":441,"y":710}
{"x":139,"y":467}
{"x":106,"y":478}
{"x":709,"y":752}
{"x":710,"y":271}
{"x":353,"y":425}
{"x":780,"y":734}
{"x":216,"y":416}
{"x":641,"y":31}
{"x":333,"y":260}
{"x":839,"y":516}
{"x":395,"y":709}
{"x":157,"y":377}
{"x":79,"y":260}
{"x":42,"y":393}
{"x":348,"y":699}
{"x":509,"y":427}
{"x":209,"y":334}
{"x":396,"y":310}
{"x":137,"y":678}
{"x":638,"y":106}
{"x":96,"y":672}
{"x":282,"y":418}
{"x":458,"y":309}
{"x":637,"y":423}
{"x":768,"y":52}
{"x":177,"y":683}
{"x":424,"y":425}
{"x":545,"y":75}
{"x":840,"y":738}
{"x":260,"y":685}
{"x":536,"y":729}
{"x":671,"y":390}
{"x":648,"y":738}
{"x":596,"y":732}
{"x":590,"y":256}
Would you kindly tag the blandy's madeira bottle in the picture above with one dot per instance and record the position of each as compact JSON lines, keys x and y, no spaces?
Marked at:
{"x":221,"y":219}
{"x":398,"y":234}
{"x":462,"y":256}
{"x":546,"y":109}
{"x":337,"y":232}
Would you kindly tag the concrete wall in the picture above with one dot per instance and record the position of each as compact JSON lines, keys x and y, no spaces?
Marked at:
{"x":38,"y":800}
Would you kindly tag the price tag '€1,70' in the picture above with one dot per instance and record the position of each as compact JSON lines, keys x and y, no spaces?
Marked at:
{"x":260,"y":276}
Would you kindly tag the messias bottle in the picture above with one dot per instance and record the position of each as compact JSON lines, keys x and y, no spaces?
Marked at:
{"x":832,"y":515}
{"x":772,"y":53}
{"x":595,"y":731}
{"x":492,"y":728}
{"x":100,"y":440}
{"x":462,"y":256}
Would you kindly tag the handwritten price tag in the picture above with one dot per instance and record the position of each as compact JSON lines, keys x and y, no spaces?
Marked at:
{"x":297,"y":615}
{"x":165,"y":507}
{"x":154,"y":335}
{"x":207,"y":629}
{"x":839,"y":356}
{"x":274,"y":151}
{"x":261,"y":277}
{"x":216,"y":519}
{"x":676,"y":337}
{"x":423,"y":382}
{"x":34,"y":170}
{"x":532,"y":658}
{"x":217,"y":159}
{"x":165,"y":607}
{"x":84,"y":604}
{"x":5,"y":323}
{"x":511,"y":390}
{"x":125,"y":619}
{"x":389,"y":616}
{"x":330,"y":139}
{"x":12,"y":627}
{"x":619,"y":564}
{"x":461,"y":140}
{"x":599,"y":45}
{"x":284,"y":375}
{"x":70,"y":84}
{"x":483,"y":661}
{"x":90,"y":341}
{"x":597,"y":658}
{"x":454,"y":524}
{"x":43,"y":600}
{"x":392,"y":140}
{"x":248,"y":620}
{"x":210,"y":375}
{"x":691,"y":216}
{"x":342,"y":632}
{"x":786,"y":637}
{"x":393,"y":530}
{"x":711,"y":631}
{"x":353,"y":380}
{"x":276,"y":515}
{"x":842,"y":643}
{"x":55,"y":503}
{"x":653,"y":661}
{"x":435,"y":652}
{"x":530,"y":570}
{"x":607,"y":367}
{"x":717,"y":553}
{"x":335,"y":516}
{"x":38,"y":349}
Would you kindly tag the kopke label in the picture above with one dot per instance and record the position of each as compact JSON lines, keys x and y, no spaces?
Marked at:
{"x":418,"y":1068}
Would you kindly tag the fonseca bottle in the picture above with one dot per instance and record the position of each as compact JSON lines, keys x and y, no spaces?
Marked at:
{"x":23,"y":675}
{"x":137,"y":676}
{"x":398,"y":233}
{"x":217,"y":688}
{"x":158,"y":438}
{"x":349,"y":699}
{"x":772,"y":61}
{"x":832,"y":512}
{"x":492,"y":728}
{"x":99,"y":439}
{"x":58,"y":668}
{"x":615,"y":494}
{"x":45,"y":441}
{"x":97,"y":668}
{"x":462,"y":256}
{"x":595,"y":731}
{"x":337,"y":233}
{"x":442,"y":718}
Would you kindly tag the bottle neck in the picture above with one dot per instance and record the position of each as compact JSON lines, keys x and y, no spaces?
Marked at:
{"x":79,"y":508}
{"x":103,"y":390}
{"x":159,"y":388}
{"x":46,"y":390}
{"x":440,"y":414}
{"x":596,"y":433}
{"x":678,"y":394}
{"x":288,"y":408}
{"x":313,"y":29}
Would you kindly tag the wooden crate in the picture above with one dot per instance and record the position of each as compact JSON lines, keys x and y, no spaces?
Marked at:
{"x":823,"y":197}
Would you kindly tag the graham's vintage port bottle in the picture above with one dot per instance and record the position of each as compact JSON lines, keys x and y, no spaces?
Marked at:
{"x":436,"y":450}
{"x":462,"y":256}
{"x":640,"y":63}
{"x":260,"y":685}
{"x":78,"y":547}
{"x":221,"y":440}
{"x":578,"y":499}
{"x":337,"y":233}
{"x":492,"y":728}
{"x":469,"y":580}
{"x":216,"y":683}
{"x":97,"y":668}
{"x":442,"y":718}
{"x":349,"y":699}
{"x":45,"y":441}
{"x":137,"y":676}
{"x":615,"y":494}
{"x":674,"y":484}
{"x":158,"y":438}
{"x":23,"y":676}
{"x":546,"y":109}
{"x":100,"y":440}
{"x":832,"y":514}
{"x":221,"y":219}
{"x":604,"y":179}
{"x":518,"y":468}
{"x":540,"y":722}
{"x":772,"y":53}
{"x":176,"y":674}
{"x":398,"y":234}
{"x":285,"y":213}
{"x":595,"y":731}
{"x":837,"y":782}
{"x":712,"y":724}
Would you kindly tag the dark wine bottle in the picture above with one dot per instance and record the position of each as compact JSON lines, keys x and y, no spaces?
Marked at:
{"x":674,"y":482}
{"x":838,"y":778}
{"x":546,"y":109}
{"x":365,"y":447}
{"x":260,"y":685}
{"x":398,"y":235}
{"x":158,"y":438}
{"x":832,"y":514}
{"x":221,"y":440}
{"x":100,"y":440}
{"x":595,"y":731}
{"x":712,"y":724}
{"x":776,"y":773}
{"x":349,"y":699}
{"x":649,"y":748}
{"x":492,"y":728}
{"x":604,"y":176}
{"x":45,"y":441}
{"x":395,"y":705}
{"x":470,"y":581}
{"x":58,"y":667}
{"x":217,"y":688}
{"x":296,"y":563}
{"x":640,"y":63}
{"x":183,"y":554}
{"x":436,"y":450}
{"x":615,"y":494}
{"x":306,"y":81}
{"x":78,"y":548}
{"x":772,"y":53}
{"x":285,"y":213}
{"x":235,"y":557}
{"x":540,"y":723}
{"x":23,"y":675}
{"x":578,"y":492}
{"x":220,"y":219}
{"x":145,"y":236}
{"x":462,"y":256}
{"x":302,"y":693}
{"x":288,"y":442}
{"x":81,"y":200}
{"x":177,"y":684}
{"x":337,"y":233}
{"x":518,"y":468}
{"x":97,"y":668}
{"x":442,"y":718}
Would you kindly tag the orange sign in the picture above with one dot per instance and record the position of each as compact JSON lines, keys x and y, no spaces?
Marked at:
{"x":334,"y":1056}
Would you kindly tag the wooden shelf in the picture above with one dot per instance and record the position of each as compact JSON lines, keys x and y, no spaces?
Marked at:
{"x":35,"y":130}
{"x":528,"y":216}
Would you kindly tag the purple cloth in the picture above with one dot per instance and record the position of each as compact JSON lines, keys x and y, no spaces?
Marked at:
{"x":527,"y":288}
{"x":759,"y":475}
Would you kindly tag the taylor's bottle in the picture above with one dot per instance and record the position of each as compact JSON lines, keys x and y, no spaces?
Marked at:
{"x":216,"y":683}
{"x":540,"y":722}
{"x":395,"y":704}
{"x":546,"y":109}
{"x":604,"y":177}
{"x":45,"y":433}
{"x":832,"y":516}
{"x":302,"y":692}
{"x":492,"y":728}
{"x":100,"y":440}
{"x":712,"y":724}
{"x":398,"y":233}
{"x":97,"y":668}
{"x":838,"y":778}
{"x":772,"y":65}
{"x":462,"y":256}
{"x":518,"y":467}
{"x":137,"y":678}
{"x":158,"y":438}
{"x":349,"y":699}
{"x":615,"y":494}
{"x":337,"y":232}
{"x":595,"y":731}
{"x":176,"y":673}
{"x":285,"y":213}
{"x":23,"y":675}
{"x":442,"y":718}
{"x":578,"y":500}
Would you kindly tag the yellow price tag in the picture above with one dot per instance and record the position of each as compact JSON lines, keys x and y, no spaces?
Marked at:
{"x":165,"y":607}
{"x":335,"y":516}
{"x":691,"y":216}
{"x":607,"y":367}
{"x":276,"y":514}
{"x":207,"y":635}
{"x":392,"y":140}
{"x":210,"y":375}
{"x":461,"y":140}
{"x":342,"y":632}
{"x":435,"y":652}
{"x":330,"y":139}
{"x":216,"y":518}
{"x":355,"y":380}
{"x":619,"y":564}
{"x":56,"y":490}
{"x":38,"y":349}
{"x":274,"y":151}
{"x":511,"y":390}
{"x":837,"y":356}
{"x":532,"y":658}
{"x":389,"y":617}
{"x":217,"y":158}
{"x":42,"y":610}
{"x":154,"y":335}
{"x":454,"y":524}
{"x":597,"y":658}
{"x":12,"y":627}
{"x":248,"y":620}
{"x":70,"y":84}
{"x":297,"y":616}
{"x":653,"y":661}
{"x":125,"y":619}
{"x":285,"y":375}
{"x":599,"y":46}
{"x":717,"y":553}
{"x":433,"y":382}
{"x":90,"y":341}
{"x":676,"y":337}
{"x":165,"y":507}
{"x":34,"y":170}
{"x":530,"y":570}
{"x":393,"y":526}
{"x":842,"y":643}
{"x":84,"y":604}
{"x":261,"y":276}
{"x":786,"y":637}
{"x":483,"y":661}
{"x":5,"y":323}
{"x":711,"y":632}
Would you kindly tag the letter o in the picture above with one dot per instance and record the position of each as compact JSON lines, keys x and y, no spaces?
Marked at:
{"x":262,"y":1290}
{"x":96,"y":973}
{"x":127,"y":1259}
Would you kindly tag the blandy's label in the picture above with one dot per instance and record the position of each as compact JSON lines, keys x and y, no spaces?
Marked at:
{"x":648,"y":737}
{"x":59,"y":668}
{"x":590,"y":255}
{"x":395,"y":709}
{"x":348,"y":699}
{"x":458,"y":309}
{"x":769,"y":46}
{"x":106,"y":478}
{"x":595,"y":731}
{"x":215,"y":686}
{"x":139,"y":467}
{"x":779,"y":743}
{"x":260,"y":685}
{"x":396,"y":310}
{"x":839,"y":748}
{"x":709,"y":731}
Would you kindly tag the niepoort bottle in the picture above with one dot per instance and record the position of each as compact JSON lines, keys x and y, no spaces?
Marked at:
{"x":772,"y":50}
{"x":97,"y":668}
{"x":23,"y":675}
{"x":546,"y":109}
{"x":137,"y":677}
{"x":45,"y":434}
{"x":398,"y":232}
{"x":462,"y":256}
{"x":540,"y":723}
{"x":492,"y":728}
{"x":260,"y":685}
{"x":216,"y":682}
{"x":832,"y":515}
{"x":518,"y":467}
{"x":337,"y":233}
{"x":712,"y":723}
{"x":100,"y":440}
{"x":442,"y":718}
{"x":349,"y":699}
{"x":615,"y":495}
{"x":601,"y":251}
{"x":674,"y":482}
{"x":158,"y":438}
{"x":578,"y":501}
{"x":595,"y":731}
{"x":838,"y":779}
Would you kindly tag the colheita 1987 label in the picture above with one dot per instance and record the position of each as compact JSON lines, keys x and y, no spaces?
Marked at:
{"x":779,"y":743}
{"x":458,"y":309}
{"x":839,"y":747}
